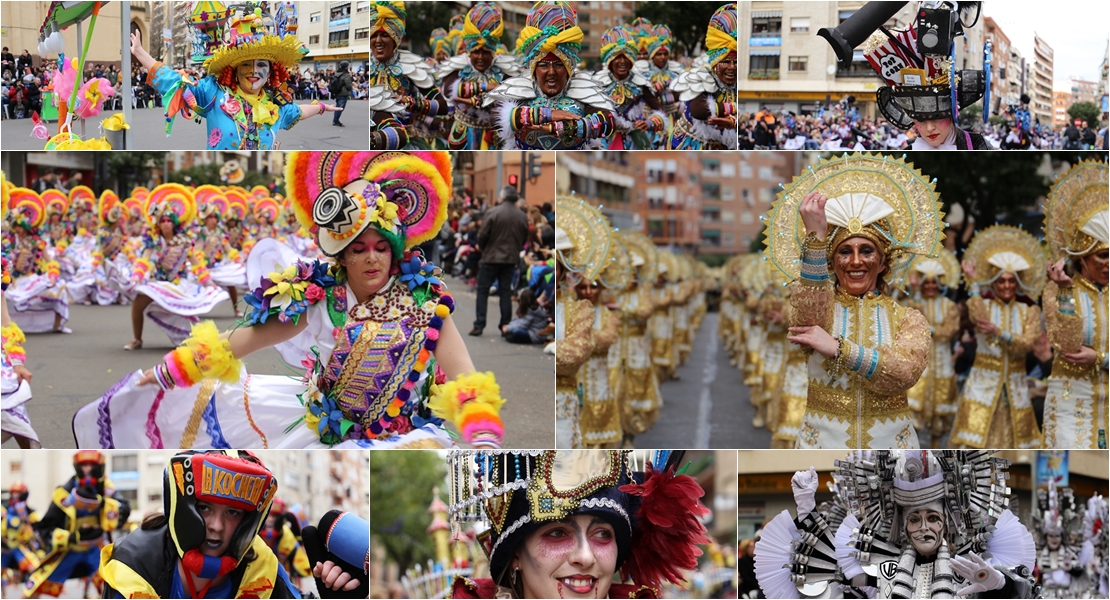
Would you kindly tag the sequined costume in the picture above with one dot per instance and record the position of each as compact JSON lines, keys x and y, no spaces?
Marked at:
{"x":702,"y":95}
{"x":473,"y":126}
{"x":631,"y":373}
{"x":932,"y":398}
{"x":574,"y":337}
{"x":995,"y":410}
{"x":1076,"y":226}
{"x":524,"y":112}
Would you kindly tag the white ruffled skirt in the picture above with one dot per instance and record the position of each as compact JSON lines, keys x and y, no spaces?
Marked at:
{"x":35,"y":300}
{"x":14,"y":395}
{"x":256,"y":412}
{"x":177,"y":306}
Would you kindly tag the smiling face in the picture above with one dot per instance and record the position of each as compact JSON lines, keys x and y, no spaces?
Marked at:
{"x":481,"y":59}
{"x":1096,"y":267}
{"x":382,"y":46}
{"x":367,"y":260}
{"x":587,"y":290}
{"x":930,"y":288}
{"x":925,"y":528}
{"x":220,"y":523}
{"x":552,"y":76}
{"x":934,"y":132}
{"x":620,"y":66}
{"x":660,"y":58}
{"x":252,"y":74}
{"x":858,"y":264}
{"x":572,"y":558}
{"x":1005,"y":287}
{"x":726,"y":70}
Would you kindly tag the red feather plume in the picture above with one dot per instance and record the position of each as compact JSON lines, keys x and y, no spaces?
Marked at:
{"x":668,"y":532}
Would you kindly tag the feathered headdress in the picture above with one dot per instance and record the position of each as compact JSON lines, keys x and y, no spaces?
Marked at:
{"x":173,"y":200}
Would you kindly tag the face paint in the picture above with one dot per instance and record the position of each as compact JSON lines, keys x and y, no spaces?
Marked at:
{"x":857,"y":264}
{"x":925,"y":528}
{"x":934,"y":132}
{"x":572,"y":558}
{"x":253,"y":74}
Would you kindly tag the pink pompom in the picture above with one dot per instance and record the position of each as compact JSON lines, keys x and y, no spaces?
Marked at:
{"x":433,"y":334}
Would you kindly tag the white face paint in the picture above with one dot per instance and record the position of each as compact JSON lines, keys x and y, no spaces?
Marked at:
{"x":925,"y":529}
{"x":252,"y":74}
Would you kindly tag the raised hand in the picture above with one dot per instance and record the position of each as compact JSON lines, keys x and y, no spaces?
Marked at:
{"x":812,"y":211}
{"x":978,"y":573}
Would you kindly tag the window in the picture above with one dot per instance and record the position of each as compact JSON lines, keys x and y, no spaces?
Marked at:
{"x":728,"y":216}
{"x":746,"y":217}
{"x":314,"y":17}
{"x":728,"y":193}
{"x":711,"y":190}
{"x":799,"y":24}
{"x":341,"y":12}
{"x":339,"y":39}
{"x":728,"y":170}
{"x":362,"y":34}
{"x":154,"y":496}
{"x":362,"y":7}
{"x":766,"y":27}
{"x":766,"y":173}
{"x":605,"y":20}
{"x":313,"y":39}
{"x":745,"y":170}
{"x":655,"y":228}
{"x":132,"y":496}
{"x":595,"y":19}
{"x":125,"y":462}
{"x":799,"y":63}
{"x":763,"y":66}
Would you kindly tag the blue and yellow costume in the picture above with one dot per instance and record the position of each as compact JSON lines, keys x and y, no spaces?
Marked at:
{"x":79,"y":522}
{"x":20,"y":547}
{"x":701,"y":93}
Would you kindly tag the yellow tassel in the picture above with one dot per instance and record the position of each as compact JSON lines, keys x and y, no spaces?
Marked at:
{"x":212,"y":355}
{"x":453,"y":399}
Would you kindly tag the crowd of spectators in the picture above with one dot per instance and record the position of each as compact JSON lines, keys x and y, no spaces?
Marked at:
{"x":24,"y":83}
{"x":839,"y":128}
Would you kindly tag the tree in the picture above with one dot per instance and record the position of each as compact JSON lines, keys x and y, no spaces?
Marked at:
{"x":131,"y":169}
{"x":687,"y":20}
{"x":989,"y":185}
{"x":1085,"y":111}
{"x":399,"y":498}
{"x":423,"y":17}
{"x":971,"y":117}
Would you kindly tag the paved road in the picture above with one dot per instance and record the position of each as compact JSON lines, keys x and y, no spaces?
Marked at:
{"x":708,"y":406}
{"x":148,"y":131}
{"x":72,"y":370}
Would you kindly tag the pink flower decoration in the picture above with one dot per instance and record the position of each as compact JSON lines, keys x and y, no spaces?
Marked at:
{"x":214,"y":138}
{"x":400,"y":425}
{"x":313,"y":293}
{"x":231,"y":106}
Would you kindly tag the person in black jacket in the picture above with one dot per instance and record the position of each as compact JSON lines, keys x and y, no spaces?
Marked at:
{"x":501,"y":238}
{"x":342,"y":90}
{"x":206,"y":543}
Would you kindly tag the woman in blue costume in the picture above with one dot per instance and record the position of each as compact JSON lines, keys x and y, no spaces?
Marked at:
{"x":240,"y":98}
{"x":552,"y":107}
{"x":707,"y":93}
{"x":660,"y":70}
{"x":383,"y":363}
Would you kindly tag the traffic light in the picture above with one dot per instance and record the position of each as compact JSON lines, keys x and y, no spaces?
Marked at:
{"x":534,"y":165}
{"x":512,"y":180}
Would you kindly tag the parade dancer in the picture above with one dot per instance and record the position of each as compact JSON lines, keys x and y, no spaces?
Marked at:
{"x":994,"y":408}
{"x":600,"y":414}
{"x":582,"y":240}
{"x":919,"y":528}
{"x":634,"y":116}
{"x":554,"y":106}
{"x":21,"y":547}
{"x":280,"y":537}
{"x":631,"y":371}
{"x":853,"y":216}
{"x":372,"y":329}
{"x":113,"y":267}
{"x":661,"y":71}
{"x":933,"y":398}
{"x":789,"y":397}
{"x":36,"y":291}
{"x":241,"y":98}
{"x":406,"y":76}
{"x":553,"y":540}
{"x":81,"y":519}
{"x":169,"y":274}
{"x":1062,"y":574}
{"x":1076,"y":228}
{"x":467,"y":78}
{"x":213,"y":244}
{"x":15,"y":378}
{"x":662,"y":319}
{"x":205,"y":543}
{"x":918,"y":94}
{"x":707,"y":93}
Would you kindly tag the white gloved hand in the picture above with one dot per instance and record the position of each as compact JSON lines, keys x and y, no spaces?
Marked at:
{"x":804,"y":485}
{"x":978,"y":573}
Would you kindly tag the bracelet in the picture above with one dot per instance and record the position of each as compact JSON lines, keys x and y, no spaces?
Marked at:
{"x":152,"y":71}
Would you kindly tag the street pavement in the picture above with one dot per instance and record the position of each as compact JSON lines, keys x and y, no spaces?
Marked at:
{"x":148,"y":131}
{"x":72,"y":370}
{"x":708,"y":406}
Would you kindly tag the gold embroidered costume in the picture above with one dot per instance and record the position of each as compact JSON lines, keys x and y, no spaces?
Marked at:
{"x":933,"y":398}
{"x":857,"y":399}
{"x":995,"y":410}
{"x":631,"y":373}
{"x":1076,"y":224}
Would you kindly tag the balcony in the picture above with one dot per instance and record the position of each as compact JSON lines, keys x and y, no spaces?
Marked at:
{"x":764,"y":75}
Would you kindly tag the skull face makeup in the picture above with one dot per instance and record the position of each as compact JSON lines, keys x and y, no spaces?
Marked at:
{"x":1053,"y":540}
{"x":925,"y":528}
{"x":252,"y":75}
